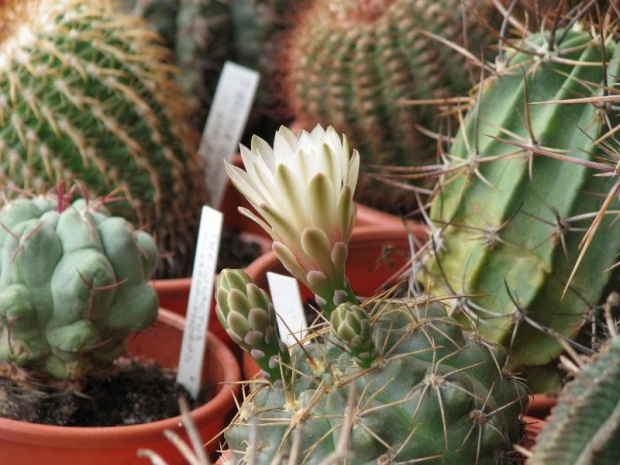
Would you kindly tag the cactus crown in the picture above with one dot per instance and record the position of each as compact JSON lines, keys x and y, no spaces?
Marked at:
{"x":85,"y":93}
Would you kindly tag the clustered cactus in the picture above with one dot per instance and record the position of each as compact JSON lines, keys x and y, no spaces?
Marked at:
{"x":352,"y":64}
{"x":73,"y":285}
{"x":86,"y":94}
{"x":508,"y":226}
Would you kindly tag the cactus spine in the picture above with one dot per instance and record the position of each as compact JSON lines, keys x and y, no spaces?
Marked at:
{"x":73,"y":285}
{"x":84,"y":95}
{"x":508,"y":225}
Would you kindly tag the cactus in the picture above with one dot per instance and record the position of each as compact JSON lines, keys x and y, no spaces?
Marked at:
{"x":584,"y":426}
{"x":351,"y":64}
{"x":73,"y":285}
{"x":206,"y":33}
{"x":84,"y":94}
{"x":508,"y":225}
{"x":456,"y":403}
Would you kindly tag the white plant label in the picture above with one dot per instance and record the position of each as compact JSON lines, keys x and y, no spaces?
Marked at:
{"x":200,"y":294}
{"x":227,"y":118}
{"x":287,"y":304}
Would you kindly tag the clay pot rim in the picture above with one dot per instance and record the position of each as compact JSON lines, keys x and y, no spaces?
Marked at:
{"x":69,"y":436}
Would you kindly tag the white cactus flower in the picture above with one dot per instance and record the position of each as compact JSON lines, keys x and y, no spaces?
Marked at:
{"x":302,"y":188}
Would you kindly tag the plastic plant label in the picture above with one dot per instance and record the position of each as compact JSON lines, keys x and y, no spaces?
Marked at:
{"x":200,"y":294}
{"x":287,"y":304}
{"x":227,"y":118}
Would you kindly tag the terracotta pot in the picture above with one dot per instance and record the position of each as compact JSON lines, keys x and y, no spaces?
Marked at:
{"x":531,"y":430}
{"x":376,"y":255}
{"x":540,"y":405}
{"x":24,"y":443}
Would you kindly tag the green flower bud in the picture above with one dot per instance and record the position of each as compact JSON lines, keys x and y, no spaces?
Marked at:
{"x":351,"y":325}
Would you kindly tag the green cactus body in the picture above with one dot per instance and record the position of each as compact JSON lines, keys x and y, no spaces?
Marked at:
{"x":350,"y":64}
{"x":73,"y":286}
{"x":84,"y":95}
{"x":584,"y":427}
{"x":509,"y":229}
{"x":433,"y":394}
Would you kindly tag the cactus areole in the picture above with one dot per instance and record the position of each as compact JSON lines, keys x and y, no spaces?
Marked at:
{"x":508,"y":224}
{"x":73,"y":286}
{"x":86,"y":94}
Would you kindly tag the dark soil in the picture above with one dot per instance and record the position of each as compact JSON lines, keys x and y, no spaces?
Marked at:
{"x":137,"y":393}
{"x":235,"y":251}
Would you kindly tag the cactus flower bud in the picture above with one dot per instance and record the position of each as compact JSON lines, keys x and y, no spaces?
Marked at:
{"x":246,"y":313}
{"x":351,"y":325}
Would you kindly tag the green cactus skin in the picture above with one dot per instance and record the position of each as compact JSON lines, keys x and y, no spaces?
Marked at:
{"x":349,"y":64}
{"x":73,"y":286}
{"x":584,"y":426}
{"x":508,"y":229}
{"x":84,"y":94}
{"x":433,"y":393}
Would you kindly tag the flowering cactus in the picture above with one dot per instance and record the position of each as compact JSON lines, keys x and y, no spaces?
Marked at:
{"x":302,"y":188}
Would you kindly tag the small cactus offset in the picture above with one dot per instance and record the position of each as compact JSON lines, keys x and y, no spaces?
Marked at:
{"x":84,"y":94}
{"x":352,"y":64}
{"x":73,"y":285}
{"x":509,"y":227}
{"x":584,"y":426}
{"x":424,"y":390}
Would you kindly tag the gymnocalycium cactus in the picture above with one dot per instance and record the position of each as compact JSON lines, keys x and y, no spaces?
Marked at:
{"x":508,"y":225}
{"x":85,"y":94}
{"x":73,"y":285}
{"x":424,"y":389}
{"x":352,"y":64}
{"x":393,"y":380}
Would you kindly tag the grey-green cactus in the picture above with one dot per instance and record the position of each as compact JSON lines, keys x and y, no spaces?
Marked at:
{"x":86,"y":93}
{"x":431,"y":392}
{"x":73,"y":285}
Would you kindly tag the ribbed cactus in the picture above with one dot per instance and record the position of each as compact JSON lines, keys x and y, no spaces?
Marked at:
{"x":206,"y":33}
{"x":507,"y":224}
{"x":84,"y":95}
{"x":584,"y":427}
{"x":73,"y":285}
{"x":423,"y":390}
{"x":350,"y":64}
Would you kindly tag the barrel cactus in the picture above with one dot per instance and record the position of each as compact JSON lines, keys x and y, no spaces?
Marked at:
{"x":85,"y":94}
{"x":507,"y":224}
{"x":73,"y":285}
{"x":206,"y":33}
{"x":423,"y":389}
{"x":351,"y":64}
{"x":584,"y":427}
